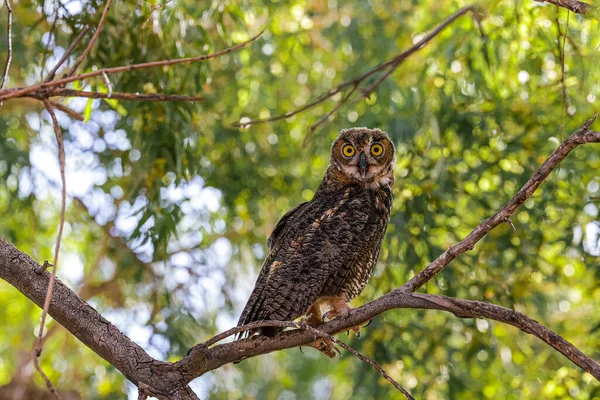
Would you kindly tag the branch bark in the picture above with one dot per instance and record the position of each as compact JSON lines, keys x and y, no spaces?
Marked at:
{"x":169,"y":380}
{"x":575,"y":6}
{"x":87,"y":325}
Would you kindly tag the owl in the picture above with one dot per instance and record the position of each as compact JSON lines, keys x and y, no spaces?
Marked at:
{"x":322,"y":252}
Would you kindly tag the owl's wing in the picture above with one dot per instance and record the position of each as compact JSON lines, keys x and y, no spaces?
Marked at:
{"x":281,"y":226}
{"x":255,"y":302}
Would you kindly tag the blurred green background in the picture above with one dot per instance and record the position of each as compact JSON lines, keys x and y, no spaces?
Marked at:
{"x":170,"y":205}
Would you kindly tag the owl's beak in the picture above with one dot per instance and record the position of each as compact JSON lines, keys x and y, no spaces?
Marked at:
{"x":363,"y":165}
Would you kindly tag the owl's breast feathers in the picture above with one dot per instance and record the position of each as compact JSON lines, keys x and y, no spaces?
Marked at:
{"x":325,"y":247}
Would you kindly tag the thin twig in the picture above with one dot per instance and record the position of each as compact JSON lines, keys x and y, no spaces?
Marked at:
{"x":23,"y":92}
{"x":154,"y":9}
{"x":303,"y":326}
{"x":37,"y":351}
{"x":9,"y":53}
{"x":71,"y":113}
{"x":92,"y":42}
{"x":51,"y":33}
{"x":575,"y":6}
{"x":124,"y":96}
{"x":358,"y":355}
{"x":565,"y":98}
{"x":325,"y":117}
{"x":355,"y":82}
{"x":108,"y":85}
{"x":561,"y":53}
{"x":64,"y":57}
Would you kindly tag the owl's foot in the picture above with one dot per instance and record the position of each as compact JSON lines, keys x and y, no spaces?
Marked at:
{"x":326,"y":347}
{"x":341,"y":309}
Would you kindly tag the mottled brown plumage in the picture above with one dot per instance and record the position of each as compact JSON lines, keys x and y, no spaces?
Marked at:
{"x":322,"y":252}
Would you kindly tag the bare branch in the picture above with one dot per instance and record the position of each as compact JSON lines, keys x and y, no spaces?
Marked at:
{"x":325,"y":117}
{"x":154,"y":9}
{"x":480,"y":309}
{"x":356,"y":82}
{"x":92,"y":42}
{"x":37,"y":350}
{"x":87,"y":325}
{"x":360,"y":356}
{"x":583,"y":135}
{"x":402,"y":298}
{"x":124,"y":96}
{"x":9,"y":52}
{"x":575,"y":6}
{"x":66,"y":110}
{"x":64,"y":57}
{"x":51,"y":33}
{"x":23,"y":92}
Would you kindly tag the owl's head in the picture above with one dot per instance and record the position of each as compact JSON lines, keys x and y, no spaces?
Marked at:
{"x":364,"y":155}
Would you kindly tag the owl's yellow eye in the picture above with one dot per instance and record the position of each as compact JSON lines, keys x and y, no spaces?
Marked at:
{"x":348,"y":150}
{"x":377,"y":149}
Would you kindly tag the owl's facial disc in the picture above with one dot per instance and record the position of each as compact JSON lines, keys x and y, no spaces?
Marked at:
{"x":365,"y":164}
{"x":364,"y":155}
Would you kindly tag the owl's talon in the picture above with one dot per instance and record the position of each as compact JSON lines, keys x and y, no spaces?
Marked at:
{"x":368,"y":323}
{"x":326,"y":347}
{"x":301,"y":351}
{"x":338,"y":350}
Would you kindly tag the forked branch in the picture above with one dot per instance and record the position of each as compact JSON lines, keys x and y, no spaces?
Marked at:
{"x":355,"y":83}
{"x":169,"y":380}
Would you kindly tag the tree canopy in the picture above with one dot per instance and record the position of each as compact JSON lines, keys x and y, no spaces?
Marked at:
{"x":169,"y":203}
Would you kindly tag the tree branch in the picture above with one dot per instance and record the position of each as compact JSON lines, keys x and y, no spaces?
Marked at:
{"x":575,"y":6}
{"x":9,"y":52}
{"x":354,"y":83}
{"x":87,"y":325}
{"x":169,"y":380}
{"x":123,"y":96}
{"x":93,"y":41}
{"x":40,"y":88}
{"x":64,"y":57}
{"x":37,"y":350}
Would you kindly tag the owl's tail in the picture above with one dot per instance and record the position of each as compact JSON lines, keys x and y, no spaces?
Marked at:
{"x":253,"y":312}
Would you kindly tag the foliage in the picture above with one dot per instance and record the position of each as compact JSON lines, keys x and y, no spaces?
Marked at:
{"x":170,"y":205}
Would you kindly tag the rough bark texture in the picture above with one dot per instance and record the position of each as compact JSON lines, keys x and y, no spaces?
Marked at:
{"x":87,"y":325}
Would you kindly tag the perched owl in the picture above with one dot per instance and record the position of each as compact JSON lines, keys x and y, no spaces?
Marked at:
{"x":322,"y":252}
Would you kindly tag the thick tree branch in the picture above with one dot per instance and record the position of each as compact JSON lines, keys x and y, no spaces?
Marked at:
{"x":169,"y":380}
{"x":87,"y":325}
